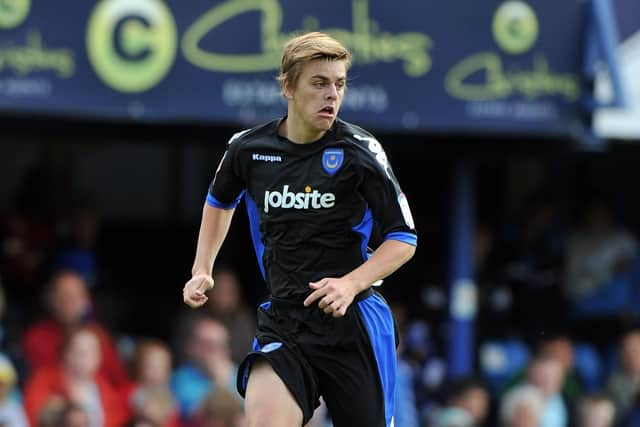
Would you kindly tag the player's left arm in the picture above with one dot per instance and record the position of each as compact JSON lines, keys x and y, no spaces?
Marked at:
{"x":335,"y":295}
{"x":390,"y":209}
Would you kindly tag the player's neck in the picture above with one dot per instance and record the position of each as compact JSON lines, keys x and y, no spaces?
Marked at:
{"x":297,"y":132}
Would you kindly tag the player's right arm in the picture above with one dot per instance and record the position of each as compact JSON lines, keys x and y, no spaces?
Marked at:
{"x":213,"y":230}
{"x":225,"y":193}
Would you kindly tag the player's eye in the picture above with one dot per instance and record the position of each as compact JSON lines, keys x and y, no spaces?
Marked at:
{"x":340,"y":85}
{"x":319,"y":84}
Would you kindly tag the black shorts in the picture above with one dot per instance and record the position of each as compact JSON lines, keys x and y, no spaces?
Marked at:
{"x":350,"y":361}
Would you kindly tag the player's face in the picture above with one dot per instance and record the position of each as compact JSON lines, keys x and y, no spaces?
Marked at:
{"x":315,"y":101}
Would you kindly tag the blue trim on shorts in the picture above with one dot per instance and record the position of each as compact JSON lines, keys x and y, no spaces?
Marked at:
{"x":364,"y":230}
{"x":379,"y":322}
{"x":255,"y":346}
{"x":212,"y":201}
{"x":403,"y":236}
{"x":265,"y":305}
{"x":254,"y":225}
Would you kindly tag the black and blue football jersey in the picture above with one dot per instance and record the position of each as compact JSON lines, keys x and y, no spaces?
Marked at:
{"x":312,"y":206}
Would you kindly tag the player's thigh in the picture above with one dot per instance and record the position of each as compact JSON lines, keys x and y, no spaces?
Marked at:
{"x":355,"y":399}
{"x":358,"y":379}
{"x":268,"y":402}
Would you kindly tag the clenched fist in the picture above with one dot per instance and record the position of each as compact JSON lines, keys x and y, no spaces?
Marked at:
{"x":194,"y":290}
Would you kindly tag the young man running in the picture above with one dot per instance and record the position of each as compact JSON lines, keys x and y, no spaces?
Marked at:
{"x":314,"y":186}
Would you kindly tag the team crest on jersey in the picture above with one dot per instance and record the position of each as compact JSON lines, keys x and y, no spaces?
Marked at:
{"x":332,"y":159}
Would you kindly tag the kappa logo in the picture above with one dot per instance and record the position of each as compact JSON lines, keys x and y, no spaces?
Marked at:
{"x":268,"y":158}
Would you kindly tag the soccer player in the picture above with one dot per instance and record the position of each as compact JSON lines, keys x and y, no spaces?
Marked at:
{"x":314,"y":186}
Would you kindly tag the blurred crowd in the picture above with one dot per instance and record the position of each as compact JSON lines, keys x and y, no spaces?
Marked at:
{"x":67,"y":369}
{"x":557,"y":328}
{"x":557,"y":331}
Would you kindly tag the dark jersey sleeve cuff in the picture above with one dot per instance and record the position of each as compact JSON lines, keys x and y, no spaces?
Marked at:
{"x":212,"y":201}
{"x":402,"y":236}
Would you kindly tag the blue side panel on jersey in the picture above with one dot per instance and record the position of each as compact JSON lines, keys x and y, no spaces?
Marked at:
{"x":401,"y":236}
{"x":364,"y":230}
{"x":379,"y":322}
{"x":212,"y":201}
{"x":254,"y":224}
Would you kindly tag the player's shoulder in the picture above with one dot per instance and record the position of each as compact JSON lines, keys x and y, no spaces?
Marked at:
{"x":265,"y":130}
{"x":359,"y":137}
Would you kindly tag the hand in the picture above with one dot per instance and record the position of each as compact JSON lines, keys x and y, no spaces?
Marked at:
{"x":335,"y":295}
{"x":194,"y":290}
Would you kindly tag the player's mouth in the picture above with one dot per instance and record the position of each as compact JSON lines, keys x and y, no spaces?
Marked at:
{"x":327,"y":112}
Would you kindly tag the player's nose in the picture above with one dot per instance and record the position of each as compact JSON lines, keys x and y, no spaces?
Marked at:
{"x":332,"y":92}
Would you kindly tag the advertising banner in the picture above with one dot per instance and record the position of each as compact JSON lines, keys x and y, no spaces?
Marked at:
{"x":460,"y":65}
{"x":623,"y":123}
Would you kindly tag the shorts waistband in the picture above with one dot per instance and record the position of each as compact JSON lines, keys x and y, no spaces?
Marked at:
{"x":286,"y":303}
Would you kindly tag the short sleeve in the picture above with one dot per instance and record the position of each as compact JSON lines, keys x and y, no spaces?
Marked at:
{"x":382,"y":192}
{"x":227,"y":187}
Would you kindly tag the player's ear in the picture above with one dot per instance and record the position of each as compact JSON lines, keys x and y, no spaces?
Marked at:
{"x":287,"y":89}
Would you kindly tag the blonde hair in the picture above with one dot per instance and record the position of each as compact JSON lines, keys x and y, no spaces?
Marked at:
{"x":307,"y":47}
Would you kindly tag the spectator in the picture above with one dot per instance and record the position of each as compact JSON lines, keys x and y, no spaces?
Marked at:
{"x":467,"y":405}
{"x":624,"y":384}
{"x":227,"y":305}
{"x":3,"y":303}
{"x":76,"y":380}
{"x":406,"y":413}
{"x":221,"y":408}
{"x":151,"y":399}
{"x":51,"y":412}
{"x":546,"y":373}
{"x":601,"y":267}
{"x":596,"y":411}
{"x":632,"y":418}
{"x":522,"y":407}
{"x":25,"y":242}
{"x":209,"y":366}
{"x":427,"y":368}
{"x":495,"y":317}
{"x":11,"y":412}
{"x":73,"y":415}
{"x":11,"y":327}
{"x":533,"y":265}
{"x":77,"y":251}
{"x":560,"y":347}
{"x":70,"y":307}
